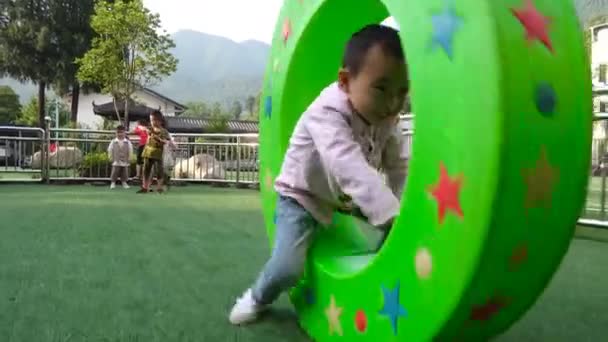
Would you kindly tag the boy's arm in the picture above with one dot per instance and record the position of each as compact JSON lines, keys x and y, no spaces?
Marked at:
{"x":342,"y":157}
{"x":110,"y":147}
{"x":395,"y":161}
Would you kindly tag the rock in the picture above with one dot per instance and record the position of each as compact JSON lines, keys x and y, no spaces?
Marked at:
{"x":200,"y":166}
{"x":37,"y":161}
{"x":66,"y":157}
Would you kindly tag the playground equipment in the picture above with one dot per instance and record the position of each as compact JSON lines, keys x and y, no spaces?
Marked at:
{"x":497,"y":179}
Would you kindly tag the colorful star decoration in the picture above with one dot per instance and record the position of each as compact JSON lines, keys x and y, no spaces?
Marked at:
{"x":361,"y":321}
{"x":309,"y":296}
{"x":268,"y":181}
{"x":392,"y":308}
{"x":286,"y":30}
{"x":333,"y":313}
{"x":539,"y":181}
{"x":535,"y":23}
{"x":518,"y":257}
{"x":546,"y":99}
{"x":446,"y":193}
{"x":445,"y":25}
{"x":268,"y":107}
{"x":489,"y":309}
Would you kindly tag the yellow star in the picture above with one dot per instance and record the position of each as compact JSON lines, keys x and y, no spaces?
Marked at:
{"x":539,"y":181}
{"x":333,"y":317}
{"x":268,"y":180}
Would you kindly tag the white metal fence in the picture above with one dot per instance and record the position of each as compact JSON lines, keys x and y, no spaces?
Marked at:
{"x":33,"y":154}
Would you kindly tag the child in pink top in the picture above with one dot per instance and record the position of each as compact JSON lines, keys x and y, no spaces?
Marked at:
{"x":340,"y":142}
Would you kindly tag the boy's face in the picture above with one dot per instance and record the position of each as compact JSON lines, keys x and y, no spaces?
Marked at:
{"x":121,"y":135}
{"x":154,"y":121}
{"x":378,"y":91}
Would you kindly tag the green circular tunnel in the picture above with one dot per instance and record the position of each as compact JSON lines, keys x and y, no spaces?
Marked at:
{"x":502,"y":96}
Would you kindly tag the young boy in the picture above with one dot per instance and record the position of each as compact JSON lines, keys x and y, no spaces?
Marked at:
{"x":120,"y":151}
{"x":142,"y":132}
{"x":347,"y":134}
{"x":158,"y":136}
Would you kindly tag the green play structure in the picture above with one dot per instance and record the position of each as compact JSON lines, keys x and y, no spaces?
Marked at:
{"x":502,"y":98}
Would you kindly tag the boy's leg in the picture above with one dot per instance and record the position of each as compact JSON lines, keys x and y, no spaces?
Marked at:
{"x":160,"y":175}
{"x":114,"y":176}
{"x":124,"y":176}
{"x":147,"y":170}
{"x":294,"y":233}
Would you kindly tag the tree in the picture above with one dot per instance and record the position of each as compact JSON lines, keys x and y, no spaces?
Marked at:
{"x":128,"y":53}
{"x":237,"y":110}
{"x":195,"y":109}
{"x":9,"y":105}
{"x":216,"y":110}
{"x":74,"y":32}
{"x":250,"y":104}
{"x":29,"y":114}
{"x":29,"y":47}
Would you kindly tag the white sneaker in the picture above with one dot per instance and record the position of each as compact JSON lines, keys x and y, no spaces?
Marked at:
{"x":126,"y":186}
{"x":246,"y":309}
{"x":112,"y":186}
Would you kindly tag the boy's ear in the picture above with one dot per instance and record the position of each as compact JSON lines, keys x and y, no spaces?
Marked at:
{"x":344,"y":79}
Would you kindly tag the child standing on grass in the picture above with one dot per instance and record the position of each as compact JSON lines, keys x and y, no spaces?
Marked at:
{"x":168,"y":160}
{"x":142,"y":132}
{"x":120,"y":151}
{"x":347,"y":134}
{"x":153,"y":152}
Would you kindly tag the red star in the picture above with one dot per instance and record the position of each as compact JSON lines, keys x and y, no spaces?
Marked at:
{"x":489,"y":309}
{"x":519,"y":256}
{"x":535,"y":22}
{"x":286,"y":30}
{"x":446,"y":193}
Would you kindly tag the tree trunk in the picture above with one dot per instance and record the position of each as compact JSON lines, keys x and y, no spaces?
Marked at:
{"x":75,"y":99}
{"x":41,"y":104}
{"x":127,"y":114}
{"x":116,"y":110}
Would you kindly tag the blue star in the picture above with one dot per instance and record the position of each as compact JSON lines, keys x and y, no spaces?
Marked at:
{"x":445,"y":25}
{"x":392,"y":308}
{"x":268,"y":106}
{"x":309,"y":296}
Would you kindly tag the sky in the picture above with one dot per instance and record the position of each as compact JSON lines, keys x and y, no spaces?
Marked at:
{"x":238,"y":20}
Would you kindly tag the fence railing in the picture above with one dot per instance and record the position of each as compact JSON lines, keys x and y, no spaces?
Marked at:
{"x":18,"y":147}
{"x":31,"y":154}
{"x":34,"y":154}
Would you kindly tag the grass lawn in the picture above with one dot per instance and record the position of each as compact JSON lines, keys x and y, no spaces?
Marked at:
{"x":83,"y":263}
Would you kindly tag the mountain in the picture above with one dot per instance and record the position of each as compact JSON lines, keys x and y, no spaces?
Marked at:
{"x":213,"y":68}
{"x":210,"y":68}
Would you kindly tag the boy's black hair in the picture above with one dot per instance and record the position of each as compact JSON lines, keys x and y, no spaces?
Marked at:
{"x":157,"y":114}
{"x":120,"y":128}
{"x":366,"y":38}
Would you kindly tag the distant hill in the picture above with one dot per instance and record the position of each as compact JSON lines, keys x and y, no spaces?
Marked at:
{"x":211,"y":68}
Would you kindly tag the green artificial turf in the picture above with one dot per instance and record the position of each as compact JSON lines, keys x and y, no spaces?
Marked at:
{"x":83,"y":263}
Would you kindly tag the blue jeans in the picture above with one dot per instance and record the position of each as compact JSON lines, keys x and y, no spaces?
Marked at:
{"x":295,"y":229}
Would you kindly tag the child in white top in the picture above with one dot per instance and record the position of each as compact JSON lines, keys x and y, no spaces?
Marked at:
{"x":120,"y":151}
{"x":340,"y":142}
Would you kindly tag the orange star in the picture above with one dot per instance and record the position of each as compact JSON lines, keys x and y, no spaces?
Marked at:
{"x":446,"y":194}
{"x":333,"y":313}
{"x":539,"y":181}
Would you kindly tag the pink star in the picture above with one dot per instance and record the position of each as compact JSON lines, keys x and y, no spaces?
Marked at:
{"x":286,"y":30}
